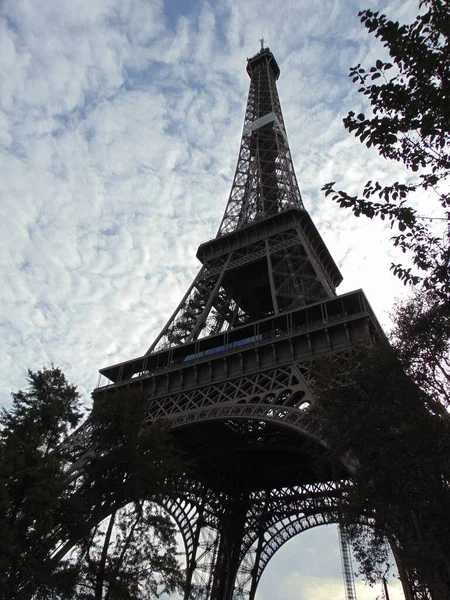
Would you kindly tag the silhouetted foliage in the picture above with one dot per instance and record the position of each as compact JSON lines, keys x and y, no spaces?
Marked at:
{"x":133,"y":556}
{"x":421,"y":336}
{"x":51,"y":542}
{"x":375,"y":418}
{"x":33,"y":486}
{"x":384,"y":410}
{"x":410,"y":100}
{"x":134,"y":466}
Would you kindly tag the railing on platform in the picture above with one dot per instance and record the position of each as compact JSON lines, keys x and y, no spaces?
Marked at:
{"x":300,"y":321}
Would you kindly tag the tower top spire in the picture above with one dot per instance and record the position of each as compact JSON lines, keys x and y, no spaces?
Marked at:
{"x":262,"y":43}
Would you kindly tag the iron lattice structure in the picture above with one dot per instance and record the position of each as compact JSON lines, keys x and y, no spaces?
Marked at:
{"x":347,"y":567}
{"x":264,"y":183}
{"x":231,"y":371}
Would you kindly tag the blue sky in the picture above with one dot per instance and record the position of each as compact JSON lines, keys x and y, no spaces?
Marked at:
{"x":120,"y":123}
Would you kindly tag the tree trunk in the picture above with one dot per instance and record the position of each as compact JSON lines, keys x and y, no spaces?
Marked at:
{"x":100,"y":580}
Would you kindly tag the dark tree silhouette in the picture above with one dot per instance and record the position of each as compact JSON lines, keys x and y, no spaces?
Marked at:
{"x":409,"y":97}
{"x":52,"y":544}
{"x":33,"y":487}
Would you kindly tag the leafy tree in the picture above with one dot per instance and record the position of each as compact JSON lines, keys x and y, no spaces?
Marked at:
{"x":421,"y":336}
{"x":33,"y":486}
{"x":123,"y":547}
{"x":137,"y":460}
{"x":410,"y":101}
{"x":51,"y":544}
{"x":375,"y":418}
{"x":133,"y":558}
{"x":387,"y":415}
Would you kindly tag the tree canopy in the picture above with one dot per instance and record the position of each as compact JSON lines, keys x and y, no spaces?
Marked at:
{"x":90,"y":533}
{"x":33,"y":486}
{"x":377,"y":418}
{"x":389,"y":412}
{"x":409,"y":97}
{"x":421,"y":337}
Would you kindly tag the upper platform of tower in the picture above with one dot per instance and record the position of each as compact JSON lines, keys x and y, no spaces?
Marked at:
{"x":265,"y":207}
{"x":264,"y":55}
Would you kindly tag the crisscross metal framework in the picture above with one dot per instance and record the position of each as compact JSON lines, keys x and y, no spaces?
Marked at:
{"x":232,"y":371}
{"x":264,"y":183}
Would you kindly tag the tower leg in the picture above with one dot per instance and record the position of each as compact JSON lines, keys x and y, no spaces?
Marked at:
{"x":228,"y":555}
{"x":255,"y":580}
{"x":192,"y":562}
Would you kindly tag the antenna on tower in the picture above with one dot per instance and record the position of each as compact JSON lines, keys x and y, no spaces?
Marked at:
{"x":262,"y":43}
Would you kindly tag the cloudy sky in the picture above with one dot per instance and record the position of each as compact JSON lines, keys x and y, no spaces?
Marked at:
{"x":120,"y":123}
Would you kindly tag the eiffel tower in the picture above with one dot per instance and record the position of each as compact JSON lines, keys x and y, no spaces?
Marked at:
{"x":231,"y":370}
